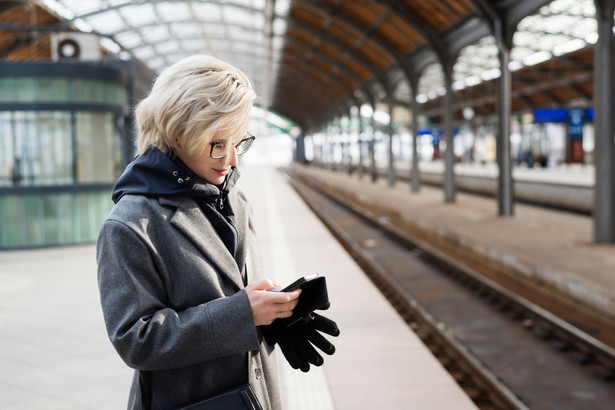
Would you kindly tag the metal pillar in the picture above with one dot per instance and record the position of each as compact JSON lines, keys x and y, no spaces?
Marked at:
{"x":414,"y":173}
{"x":372,"y":151}
{"x":361,"y":131}
{"x":604,"y":205}
{"x":505,"y":183}
{"x":449,"y":158}
{"x":390,"y":132}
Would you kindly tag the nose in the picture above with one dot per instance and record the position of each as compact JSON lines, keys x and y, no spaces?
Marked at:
{"x":234,"y":158}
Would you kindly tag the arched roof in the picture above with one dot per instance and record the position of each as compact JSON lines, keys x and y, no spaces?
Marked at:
{"x":311,"y":59}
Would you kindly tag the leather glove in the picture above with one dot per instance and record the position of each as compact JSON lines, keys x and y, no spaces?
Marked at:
{"x":297,"y":340}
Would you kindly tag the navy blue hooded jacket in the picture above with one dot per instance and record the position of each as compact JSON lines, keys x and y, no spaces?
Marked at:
{"x":155,"y":174}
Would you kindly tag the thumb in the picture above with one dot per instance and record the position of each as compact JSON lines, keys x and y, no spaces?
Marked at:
{"x":262,"y":285}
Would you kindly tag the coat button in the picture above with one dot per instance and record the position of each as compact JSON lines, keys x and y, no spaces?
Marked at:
{"x":258,"y":373}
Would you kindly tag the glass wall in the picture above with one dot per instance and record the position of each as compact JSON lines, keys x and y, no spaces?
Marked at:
{"x":62,"y":142}
{"x":42,"y":148}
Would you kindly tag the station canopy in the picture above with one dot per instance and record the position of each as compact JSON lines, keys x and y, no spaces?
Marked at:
{"x":311,"y":60}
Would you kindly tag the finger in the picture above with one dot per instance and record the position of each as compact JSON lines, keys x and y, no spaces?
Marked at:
{"x":320,"y":342}
{"x":288,"y":306}
{"x":305,"y":349}
{"x":284,"y":297}
{"x":324,"y":325}
{"x":291,"y":355}
{"x":262,"y":285}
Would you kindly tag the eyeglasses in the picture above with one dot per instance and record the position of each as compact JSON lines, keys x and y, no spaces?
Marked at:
{"x":220,"y":149}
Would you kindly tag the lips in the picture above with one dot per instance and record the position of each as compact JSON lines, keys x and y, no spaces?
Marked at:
{"x":221,"y":172}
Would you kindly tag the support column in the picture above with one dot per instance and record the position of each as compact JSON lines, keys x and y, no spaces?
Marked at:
{"x":604,"y":205}
{"x":505,"y":183}
{"x":449,"y":158}
{"x":390,"y":132}
{"x":414,"y":105}
{"x":372,"y":151}
{"x":360,"y":142}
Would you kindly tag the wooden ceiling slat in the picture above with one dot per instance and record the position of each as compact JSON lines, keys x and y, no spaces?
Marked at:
{"x":364,"y":12}
{"x":401,"y":34}
{"x":432,"y":12}
{"x":344,"y":33}
{"x":301,"y":36}
{"x":331,"y":50}
{"x":308,"y":15}
{"x":377,"y":55}
{"x":359,"y":70}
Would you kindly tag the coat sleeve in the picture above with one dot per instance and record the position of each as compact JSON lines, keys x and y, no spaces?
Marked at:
{"x":145,"y":331}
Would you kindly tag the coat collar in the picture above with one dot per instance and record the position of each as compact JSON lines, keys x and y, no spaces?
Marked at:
{"x":190,"y":220}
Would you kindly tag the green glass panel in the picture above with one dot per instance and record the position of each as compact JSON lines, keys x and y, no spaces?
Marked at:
{"x":45,"y":90}
{"x":50,"y":216}
{"x":66,"y":216}
{"x":63,"y":90}
{"x":32,"y":218}
{"x":7,"y":89}
{"x":26,"y":90}
{"x":83,"y":212}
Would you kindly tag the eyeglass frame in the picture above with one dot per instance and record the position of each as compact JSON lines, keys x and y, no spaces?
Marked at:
{"x":248,"y":137}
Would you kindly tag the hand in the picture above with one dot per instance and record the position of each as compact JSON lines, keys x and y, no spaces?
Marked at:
{"x":296,"y":340}
{"x":268,"y":306}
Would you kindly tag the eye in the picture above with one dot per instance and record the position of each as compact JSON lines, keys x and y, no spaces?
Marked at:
{"x":219,"y":145}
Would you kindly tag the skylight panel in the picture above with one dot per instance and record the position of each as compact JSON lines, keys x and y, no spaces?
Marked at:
{"x":277,"y":43}
{"x":279,"y":27}
{"x":282,"y":7}
{"x":173,"y":11}
{"x":139,"y":15}
{"x":155,"y":33}
{"x":206,"y":11}
{"x":185,"y":30}
{"x":216,"y":30}
{"x":195,"y":44}
{"x":144,"y":53}
{"x":167,"y":47}
{"x":129,"y":39}
{"x":106,"y":23}
{"x":80,"y":7}
{"x":249,"y":36}
{"x":157,"y":63}
{"x":237,"y":15}
{"x":118,"y":2}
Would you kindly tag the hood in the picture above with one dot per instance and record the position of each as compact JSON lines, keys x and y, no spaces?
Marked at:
{"x":156,"y":174}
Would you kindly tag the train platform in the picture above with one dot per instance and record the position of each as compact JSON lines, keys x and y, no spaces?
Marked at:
{"x":55,"y":353}
{"x":553,"y":250}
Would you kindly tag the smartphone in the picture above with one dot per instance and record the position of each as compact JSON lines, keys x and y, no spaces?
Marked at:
{"x":313,"y":296}
{"x":298,"y":284}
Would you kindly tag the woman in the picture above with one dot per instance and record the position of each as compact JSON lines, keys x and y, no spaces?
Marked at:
{"x":179,"y":268}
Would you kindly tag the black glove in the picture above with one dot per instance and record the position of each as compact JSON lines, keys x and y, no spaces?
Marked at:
{"x":296,"y":339}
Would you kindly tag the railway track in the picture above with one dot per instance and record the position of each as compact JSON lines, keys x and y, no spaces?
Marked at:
{"x":506,"y":352}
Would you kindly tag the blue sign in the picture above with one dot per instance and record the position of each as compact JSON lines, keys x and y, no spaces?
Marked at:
{"x":590,"y":114}
{"x":575,"y":123}
{"x":544,"y":115}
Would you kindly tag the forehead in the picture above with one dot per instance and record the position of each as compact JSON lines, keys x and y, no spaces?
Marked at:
{"x":228,"y":135}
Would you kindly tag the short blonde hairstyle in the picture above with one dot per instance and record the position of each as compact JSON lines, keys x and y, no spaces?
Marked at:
{"x":189,"y":102}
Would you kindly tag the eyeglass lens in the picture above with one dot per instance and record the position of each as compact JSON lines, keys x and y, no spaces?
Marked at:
{"x":220,"y":149}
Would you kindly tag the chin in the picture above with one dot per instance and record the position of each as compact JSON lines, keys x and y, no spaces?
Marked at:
{"x":216,"y":180}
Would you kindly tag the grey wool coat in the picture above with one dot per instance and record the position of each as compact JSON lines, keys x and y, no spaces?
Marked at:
{"x":174,"y":302}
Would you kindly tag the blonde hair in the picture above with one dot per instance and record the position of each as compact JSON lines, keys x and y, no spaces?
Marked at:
{"x":190,"y":101}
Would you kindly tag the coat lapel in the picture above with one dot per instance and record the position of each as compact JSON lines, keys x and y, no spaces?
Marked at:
{"x":241,"y":222}
{"x":190,"y":220}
